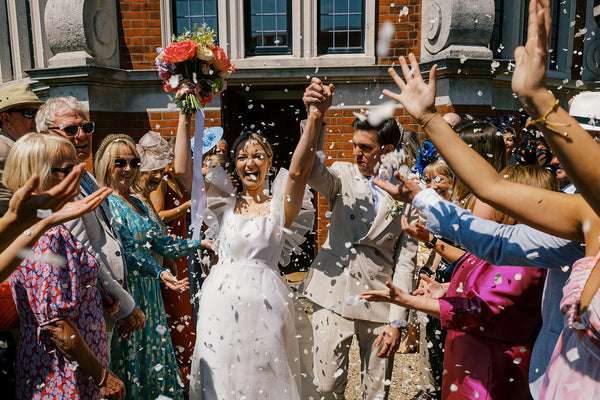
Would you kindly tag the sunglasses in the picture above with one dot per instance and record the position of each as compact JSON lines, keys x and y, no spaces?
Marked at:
{"x":66,"y":170}
{"x":71,"y":130}
{"x":134,"y":163}
{"x":29,"y":113}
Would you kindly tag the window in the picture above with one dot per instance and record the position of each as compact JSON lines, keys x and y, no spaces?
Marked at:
{"x":17,"y":47}
{"x":341,"y":26}
{"x":268,"y":26}
{"x":187,"y":13}
{"x":510,"y":31}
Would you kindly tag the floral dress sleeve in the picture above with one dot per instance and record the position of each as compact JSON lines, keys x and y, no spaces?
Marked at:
{"x":139,"y":235}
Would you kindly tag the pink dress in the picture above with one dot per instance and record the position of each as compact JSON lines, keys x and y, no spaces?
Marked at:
{"x":492,"y":315}
{"x":574,"y":369}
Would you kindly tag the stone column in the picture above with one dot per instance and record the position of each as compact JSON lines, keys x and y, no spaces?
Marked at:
{"x":456,"y":29}
{"x":82,"y":32}
{"x":591,"y":47}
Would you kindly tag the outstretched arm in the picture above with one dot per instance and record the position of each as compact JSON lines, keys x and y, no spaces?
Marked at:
{"x":397,"y":296}
{"x":304,"y":155}
{"x":556,"y":213}
{"x":574,"y":147}
{"x":11,"y":256}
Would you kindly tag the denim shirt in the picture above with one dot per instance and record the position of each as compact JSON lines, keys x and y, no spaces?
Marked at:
{"x":519,"y":245}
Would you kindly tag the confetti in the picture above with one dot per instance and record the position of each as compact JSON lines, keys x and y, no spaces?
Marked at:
{"x":573,"y":354}
{"x":385,"y":36}
{"x":43,"y":213}
{"x":380,"y":113}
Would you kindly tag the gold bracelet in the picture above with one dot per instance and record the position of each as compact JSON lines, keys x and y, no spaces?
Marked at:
{"x":424,"y":124}
{"x":104,"y":376}
{"x":549,"y":125}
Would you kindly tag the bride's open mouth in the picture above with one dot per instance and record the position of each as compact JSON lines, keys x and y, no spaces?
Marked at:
{"x":251,"y":176}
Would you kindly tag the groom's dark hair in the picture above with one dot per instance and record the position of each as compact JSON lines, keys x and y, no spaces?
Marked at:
{"x":388,"y":132}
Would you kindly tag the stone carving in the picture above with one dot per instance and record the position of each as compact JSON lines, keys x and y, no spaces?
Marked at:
{"x":591,"y":46}
{"x":82,"y":32}
{"x":456,"y":29}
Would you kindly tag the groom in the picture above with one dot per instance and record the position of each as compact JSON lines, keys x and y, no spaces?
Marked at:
{"x":365,"y":248}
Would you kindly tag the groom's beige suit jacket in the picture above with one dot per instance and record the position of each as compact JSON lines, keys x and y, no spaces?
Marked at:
{"x":363,"y":250}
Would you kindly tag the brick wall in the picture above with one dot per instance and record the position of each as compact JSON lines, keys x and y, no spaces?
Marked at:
{"x":407,"y":36}
{"x":139,"y":33}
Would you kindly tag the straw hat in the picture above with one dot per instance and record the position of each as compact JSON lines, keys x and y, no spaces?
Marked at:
{"x":15,"y":95}
{"x":155,"y":152}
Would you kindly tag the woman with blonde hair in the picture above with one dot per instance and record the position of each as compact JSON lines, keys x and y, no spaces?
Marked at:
{"x":146,"y":361}
{"x":55,"y":291}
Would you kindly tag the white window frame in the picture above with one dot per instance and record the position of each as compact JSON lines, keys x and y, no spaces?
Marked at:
{"x":304,"y":37}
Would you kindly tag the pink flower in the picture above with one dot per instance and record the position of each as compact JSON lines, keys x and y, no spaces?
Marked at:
{"x":179,"y":51}
{"x":221,"y":61}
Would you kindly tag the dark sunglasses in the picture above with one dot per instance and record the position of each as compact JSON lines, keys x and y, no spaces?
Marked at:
{"x":134,"y":163}
{"x":71,"y":130}
{"x":26,"y":112}
{"x":66,"y":170}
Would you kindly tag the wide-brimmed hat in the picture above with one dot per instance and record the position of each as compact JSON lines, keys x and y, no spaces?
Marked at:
{"x":15,"y":95}
{"x":155,"y":152}
{"x":586,"y":110}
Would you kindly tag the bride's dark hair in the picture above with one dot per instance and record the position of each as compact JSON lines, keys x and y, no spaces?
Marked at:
{"x":262,"y":141}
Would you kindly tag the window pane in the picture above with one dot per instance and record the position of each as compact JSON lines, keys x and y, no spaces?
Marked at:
{"x":341,"y":26}
{"x":341,"y":6}
{"x":186,"y":13}
{"x":268,"y":27}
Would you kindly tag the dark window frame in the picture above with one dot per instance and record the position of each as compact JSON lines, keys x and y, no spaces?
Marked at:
{"x":251,"y":50}
{"x":321,"y":50}
{"x":189,"y":17}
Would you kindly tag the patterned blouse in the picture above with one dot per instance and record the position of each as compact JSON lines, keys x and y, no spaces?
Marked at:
{"x":57,"y":281}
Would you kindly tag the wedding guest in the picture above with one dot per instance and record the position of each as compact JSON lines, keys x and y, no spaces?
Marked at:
{"x":17,"y":117}
{"x":566,"y":215}
{"x":156,"y":155}
{"x":146,"y":361}
{"x":67,"y":117}
{"x":62,"y":343}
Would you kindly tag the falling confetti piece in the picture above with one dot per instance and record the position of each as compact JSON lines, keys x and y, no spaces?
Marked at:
{"x":380,"y":113}
{"x":385,"y":36}
{"x":518,"y":277}
{"x":573,"y":354}
{"x":453,"y":388}
{"x":498,"y":278}
{"x":532,"y":255}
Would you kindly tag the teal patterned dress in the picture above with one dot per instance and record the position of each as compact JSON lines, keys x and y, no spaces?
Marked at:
{"x":146,"y":362}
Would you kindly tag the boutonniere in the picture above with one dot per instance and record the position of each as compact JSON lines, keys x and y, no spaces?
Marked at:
{"x":394,"y":209}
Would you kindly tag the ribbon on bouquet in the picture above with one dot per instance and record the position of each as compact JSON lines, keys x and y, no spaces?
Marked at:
{"x":198,"y":190}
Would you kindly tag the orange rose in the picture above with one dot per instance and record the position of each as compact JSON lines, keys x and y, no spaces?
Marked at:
{"x":221,"y":61}
{"x":179,"y":51}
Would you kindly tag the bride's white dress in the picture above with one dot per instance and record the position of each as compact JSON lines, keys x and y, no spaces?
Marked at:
{"x":253,"y":341}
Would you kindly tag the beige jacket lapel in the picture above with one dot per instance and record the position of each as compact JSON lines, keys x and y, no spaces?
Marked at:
{"x":380,"y":223}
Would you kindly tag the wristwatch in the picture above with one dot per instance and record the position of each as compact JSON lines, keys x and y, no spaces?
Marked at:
{"x":431,"y":243}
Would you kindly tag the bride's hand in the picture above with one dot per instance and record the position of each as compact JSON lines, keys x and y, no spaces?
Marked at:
{"x":172,"y":283}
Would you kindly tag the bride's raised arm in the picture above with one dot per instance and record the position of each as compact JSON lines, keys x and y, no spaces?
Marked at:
{"x":304,"y":155}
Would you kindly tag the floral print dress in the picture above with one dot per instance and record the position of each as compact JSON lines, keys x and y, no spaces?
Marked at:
{"x":146,"y":362}
{"x":58,"y":281}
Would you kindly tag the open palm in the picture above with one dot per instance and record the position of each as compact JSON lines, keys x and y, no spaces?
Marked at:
{"x":416,"y":96}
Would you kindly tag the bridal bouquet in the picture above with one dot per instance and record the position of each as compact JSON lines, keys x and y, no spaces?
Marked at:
{"x":193,"y":55}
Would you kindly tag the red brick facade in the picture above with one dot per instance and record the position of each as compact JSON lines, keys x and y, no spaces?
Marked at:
{"x":139,"y":33}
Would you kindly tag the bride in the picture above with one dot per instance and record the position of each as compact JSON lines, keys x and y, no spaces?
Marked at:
{"x":247,"y":344}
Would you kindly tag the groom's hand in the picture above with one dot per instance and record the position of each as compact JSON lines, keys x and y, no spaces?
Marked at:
{"x":390,"y":337}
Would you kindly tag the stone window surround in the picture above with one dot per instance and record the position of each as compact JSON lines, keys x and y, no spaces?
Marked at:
{"x":15,"y":54}
{"x":304,"y":38}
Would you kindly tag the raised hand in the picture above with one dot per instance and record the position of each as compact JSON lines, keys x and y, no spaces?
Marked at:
{"x":416,"y":96}
{"x":431,"y":288}
{"x":77,"y":208}
{"x":529,"y":77}
{"x":24,"y":203}
{"x":404,"y":191}
{"x":313,"y":94}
